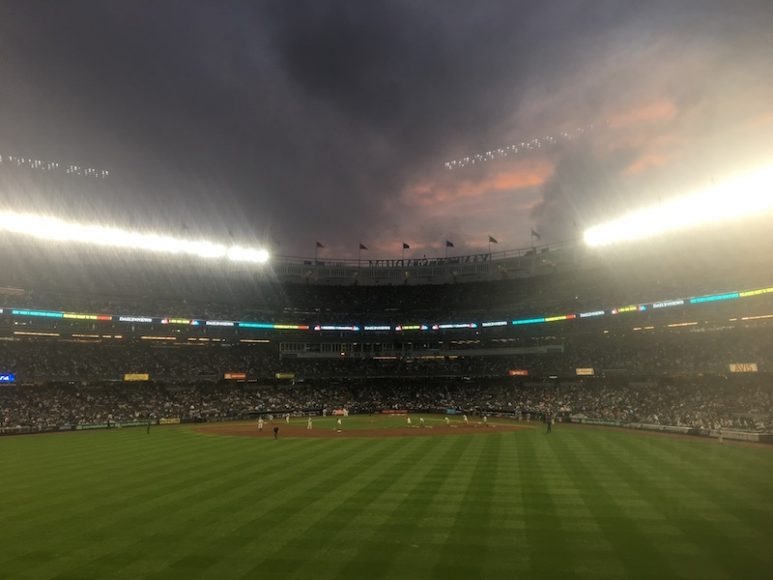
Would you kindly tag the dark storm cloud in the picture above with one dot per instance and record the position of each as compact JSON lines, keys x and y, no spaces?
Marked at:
{"x":331,"y":120}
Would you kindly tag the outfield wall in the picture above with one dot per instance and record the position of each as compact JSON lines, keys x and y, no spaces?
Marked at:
{"x":682,"y":430}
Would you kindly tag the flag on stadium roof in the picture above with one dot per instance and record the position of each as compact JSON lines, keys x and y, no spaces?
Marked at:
{"x":406,"y":246}
{"x":535,"y":234}
{"x":449,"y":244}
{"x":363,"y":246}
{"x":319,"y":245}
{"x":492,"y":240}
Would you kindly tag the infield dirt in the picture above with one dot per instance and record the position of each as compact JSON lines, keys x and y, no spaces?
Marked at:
{"x":250,"y":430}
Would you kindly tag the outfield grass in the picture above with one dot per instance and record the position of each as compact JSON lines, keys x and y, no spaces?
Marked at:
{"x":578,"y":503}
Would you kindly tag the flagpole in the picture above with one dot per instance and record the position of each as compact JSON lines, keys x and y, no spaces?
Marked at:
{"x":402,"y":255}
{"x":359,"y":254}
{"x":316,"y":251}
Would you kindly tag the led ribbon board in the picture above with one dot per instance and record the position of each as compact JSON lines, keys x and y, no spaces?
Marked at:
{"x":272,"y":326}
{"x":38,"y":313}
{"x":631,"y":308}
{"x":134,"y":319}
{"x":715,"y":298}
{"x":544,"y":319}
{"x":382,"y":327}
{"x":592,"y":314}
{"x":452,"y":326}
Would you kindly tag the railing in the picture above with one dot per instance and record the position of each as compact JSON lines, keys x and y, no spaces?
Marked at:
{"x":392,"y":262}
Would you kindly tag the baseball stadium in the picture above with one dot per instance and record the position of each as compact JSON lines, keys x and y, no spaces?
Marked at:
{"x":557,"y":414}
{"x":386,"y":290}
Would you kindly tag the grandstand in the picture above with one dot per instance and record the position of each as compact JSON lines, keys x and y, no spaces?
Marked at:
{"x":560,"y":317}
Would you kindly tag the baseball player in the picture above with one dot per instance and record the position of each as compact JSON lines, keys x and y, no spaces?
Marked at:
{"x":408,"y":420}
{"x":260,"y":423}
{"x":308,"y":424}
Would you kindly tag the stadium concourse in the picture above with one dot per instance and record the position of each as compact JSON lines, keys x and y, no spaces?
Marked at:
{"x":577,"y":340}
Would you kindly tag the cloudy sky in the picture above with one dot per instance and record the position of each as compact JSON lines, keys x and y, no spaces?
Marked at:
{"x":332,"y":121}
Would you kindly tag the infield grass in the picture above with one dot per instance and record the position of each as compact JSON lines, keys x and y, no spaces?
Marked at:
{"x":578,"y":503}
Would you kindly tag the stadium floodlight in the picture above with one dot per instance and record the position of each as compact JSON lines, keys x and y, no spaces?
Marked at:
{"x":55,"y":229}
{"x":733,"y":199}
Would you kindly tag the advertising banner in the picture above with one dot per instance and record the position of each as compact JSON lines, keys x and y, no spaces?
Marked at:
{"x":169,"y":421}
{"x":136,"y":377}
{"x":743,"y":367}
{"x":518,"y":373}
{"x":285,"y":375}
{"x":236,"y":376}
{"x":585,"y":372}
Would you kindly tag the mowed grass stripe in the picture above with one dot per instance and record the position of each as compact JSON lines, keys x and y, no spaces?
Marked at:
{"x":180,"y":504}
{"x":148,"y":469}
{"x":704,"y":474}
{"x":466,"y":548}
{"x":96,"y":522}
{"x":740,"y":468}
{"x":331,"y":543}
{"x":595,"y":555}
{"x":547,"y":541}
{"x":190,"y":530}
{"x":226,"y":522}
{"x":711,"y":510}
{"x":135,"y":509}
{"x":101,"y":461}
{"x":629,"y":541}
{"x":700,"y":549}
{"x":390,"y":549}
{"x":314,"y":496}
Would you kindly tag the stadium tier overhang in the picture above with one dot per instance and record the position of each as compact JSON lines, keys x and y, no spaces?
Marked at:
{"x":482,"y":267}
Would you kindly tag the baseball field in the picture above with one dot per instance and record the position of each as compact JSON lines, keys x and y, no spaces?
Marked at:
{"x":379,"y":501}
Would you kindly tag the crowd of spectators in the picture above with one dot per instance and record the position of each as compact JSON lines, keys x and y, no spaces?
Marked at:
{"x":643,"y":353}
{"x":711,"y":404}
